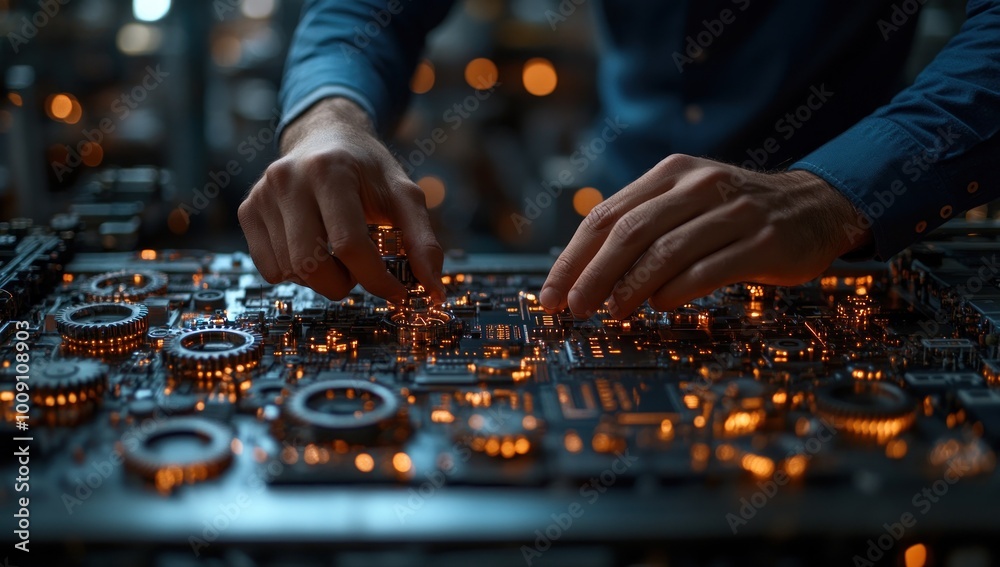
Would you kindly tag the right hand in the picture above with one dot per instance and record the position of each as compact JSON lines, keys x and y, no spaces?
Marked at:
{"x":334,"y":178}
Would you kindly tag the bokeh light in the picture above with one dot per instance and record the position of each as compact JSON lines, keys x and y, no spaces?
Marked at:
{"x":539,"y":76}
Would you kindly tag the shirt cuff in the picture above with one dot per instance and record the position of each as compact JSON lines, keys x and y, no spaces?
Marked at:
{"x":889,"y":178}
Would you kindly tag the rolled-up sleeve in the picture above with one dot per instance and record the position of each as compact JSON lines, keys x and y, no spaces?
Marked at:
{"x":932,"y":151}
{"x":363,"y":50}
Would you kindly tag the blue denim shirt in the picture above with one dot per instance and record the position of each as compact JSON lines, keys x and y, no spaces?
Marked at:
{"x":765,"y":84}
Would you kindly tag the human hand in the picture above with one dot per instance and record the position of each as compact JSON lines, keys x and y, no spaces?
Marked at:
{"x":334,"y":178}
{"x":691,"y":225}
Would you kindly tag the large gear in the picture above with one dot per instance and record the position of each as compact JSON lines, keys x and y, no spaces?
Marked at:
{"x":102,"y":328}
{"x":866,"y":409}
{"x":69,"y":390}
{"x":125,"y":285}
{"x":348,"y":410}
{"x":208,"y":454}
{"x":216,"y":352}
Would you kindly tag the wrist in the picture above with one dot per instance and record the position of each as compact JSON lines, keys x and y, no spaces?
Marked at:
{"x":326,"y":116}
{"x":841,"y":220}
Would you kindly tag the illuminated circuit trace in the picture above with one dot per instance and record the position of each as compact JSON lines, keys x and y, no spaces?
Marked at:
{"x":889,"y":368}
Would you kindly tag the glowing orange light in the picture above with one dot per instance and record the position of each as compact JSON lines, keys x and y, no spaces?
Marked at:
{"x":916,"y":555}
{"x":539,"y":76}
{"x":60,"y":106}
{"x":481,"y":73}
{"x":402,"y":463}
{"x":92,"y":154}
{"x":585,"y":199}
{"x":433,"y":189}
{"x":15,"y":99}
{"x":148,"y":254}
{"x":423,"y":77}
{"x":364,"y":462}
{"x":573,"y":442}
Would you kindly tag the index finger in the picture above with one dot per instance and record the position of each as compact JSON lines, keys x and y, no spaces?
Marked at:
{"x":348,"y":239}
{"x":594,"y":230}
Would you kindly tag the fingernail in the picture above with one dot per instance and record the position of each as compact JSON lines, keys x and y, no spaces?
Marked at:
{"x":613,"y":308}
{"x":550,"y":298}
{"x":576,"y":303}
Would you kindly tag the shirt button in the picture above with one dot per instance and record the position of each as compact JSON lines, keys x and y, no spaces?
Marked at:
{"x":973,"y":187}
{"x":946,"y":211}
{"x":692,"y":113}
{"x":921,"y":226}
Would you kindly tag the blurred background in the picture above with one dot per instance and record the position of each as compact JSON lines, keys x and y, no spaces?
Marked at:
{"x":150,"y":119}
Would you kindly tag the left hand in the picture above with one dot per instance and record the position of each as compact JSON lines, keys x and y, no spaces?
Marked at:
{"x":691,"y":225}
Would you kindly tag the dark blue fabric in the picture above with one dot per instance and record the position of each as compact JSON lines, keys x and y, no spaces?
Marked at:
{"x":766,"y":84}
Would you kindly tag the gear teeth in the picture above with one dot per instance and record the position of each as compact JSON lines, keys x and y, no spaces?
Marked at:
{"x":185,"y":360}
{"x":73,"y":387}
{"x":125,"y":285}
{"x":119,"y":328}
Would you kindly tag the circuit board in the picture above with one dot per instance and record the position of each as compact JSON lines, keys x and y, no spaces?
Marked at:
{"x":176,"y":406}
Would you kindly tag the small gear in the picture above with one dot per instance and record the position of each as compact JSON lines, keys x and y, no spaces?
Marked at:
{"x":348,"y":410}
{"x":212,"y":352}
{"x":69,"y":382}
{"x":208,"y":453}
{"x":868,"y":409}
{"x":102,"y":328}
{"x":125,"y":285}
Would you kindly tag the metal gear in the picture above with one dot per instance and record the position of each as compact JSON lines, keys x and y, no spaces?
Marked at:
{"x":125,"y":285}
{"x":215,"y":352}
{"x":868,"y":409}
{"x":102,"y":328}
{"x":69,"y":382}
{"x":348,"y":410}
{"x":208,"y":454}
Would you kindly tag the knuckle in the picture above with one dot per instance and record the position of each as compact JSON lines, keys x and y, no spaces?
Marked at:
{"x":745,"y":205}
{"x":674,"y":161}
{"x":600,"y":217}
{"x":663,"y":249}
{"x":413,"y":194}
{"x":322,"y":163}
{"x":278,"y":173}
{"x":629,"y":226}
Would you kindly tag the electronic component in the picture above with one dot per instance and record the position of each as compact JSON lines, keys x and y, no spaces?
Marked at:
{"x":202,"y":376}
